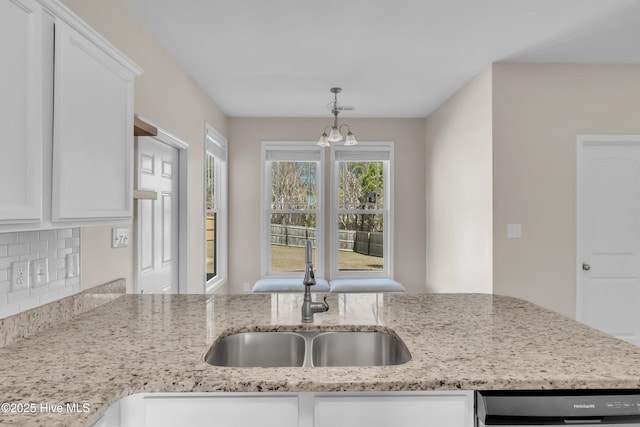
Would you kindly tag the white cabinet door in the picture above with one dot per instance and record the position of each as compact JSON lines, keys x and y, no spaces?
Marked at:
{"x":220,"y":411}
{"x":21,"y":109}
{"x":433,"y":410}
{"x":93,"y":132}
{"x":384,"y":409}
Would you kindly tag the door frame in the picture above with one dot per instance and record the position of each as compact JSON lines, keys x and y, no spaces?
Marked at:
{"x":583,"y":141}
{"x":183,"y":203}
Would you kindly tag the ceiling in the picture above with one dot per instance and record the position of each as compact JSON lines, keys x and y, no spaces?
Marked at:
{"x":393,"y":58}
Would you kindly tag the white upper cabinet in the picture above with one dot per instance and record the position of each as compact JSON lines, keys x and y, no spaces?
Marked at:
{"x":93,"y":132}
{"x":21,"y":104}
{"x":66,"y":147}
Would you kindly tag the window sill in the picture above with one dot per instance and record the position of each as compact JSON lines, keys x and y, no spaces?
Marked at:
{"x":288,"y":285}
{"x":365,"y":285}
{"x":334,"y":286}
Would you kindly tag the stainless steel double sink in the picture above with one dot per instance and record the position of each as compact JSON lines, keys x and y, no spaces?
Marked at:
{"x":308,"y":348}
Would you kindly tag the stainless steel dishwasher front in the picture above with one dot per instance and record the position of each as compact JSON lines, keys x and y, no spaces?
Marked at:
{"x":578,"y":408}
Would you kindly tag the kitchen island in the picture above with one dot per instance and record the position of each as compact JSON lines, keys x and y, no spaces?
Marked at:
{"x":157,"y":343}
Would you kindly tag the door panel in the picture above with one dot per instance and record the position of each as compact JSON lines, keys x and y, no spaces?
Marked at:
{"x":605,"y":296}
{"x":167,"y":225}
{"x":158,"y":166}
{"x":609,"y":235}
{"x":22,"y":34}
{"x":93,"y":140}
{"x":146,"y":230}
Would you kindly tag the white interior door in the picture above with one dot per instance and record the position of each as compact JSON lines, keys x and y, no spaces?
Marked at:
{"x":608,"y":286}
{"x":158,"y":220}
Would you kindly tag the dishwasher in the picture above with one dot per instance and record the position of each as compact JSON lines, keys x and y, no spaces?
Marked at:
{"x":558,"y":407}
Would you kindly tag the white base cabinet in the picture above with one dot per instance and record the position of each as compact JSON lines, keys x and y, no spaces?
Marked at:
{"x":371,"y":409}
{"x":433,"y":410}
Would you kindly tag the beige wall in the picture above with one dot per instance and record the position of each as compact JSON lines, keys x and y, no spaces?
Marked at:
{"x":168,"y":97}
{"x":459,"y":191}
{"x":246,"y":135}
{"x":538,"y":109}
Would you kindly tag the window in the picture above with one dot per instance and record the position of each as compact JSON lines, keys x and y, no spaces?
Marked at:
{"x":361,"y":222}
{"x":292,"y":203}
{"x":215,"y":210}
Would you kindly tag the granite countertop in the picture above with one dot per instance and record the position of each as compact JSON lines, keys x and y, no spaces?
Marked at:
{"x":156,"y":343}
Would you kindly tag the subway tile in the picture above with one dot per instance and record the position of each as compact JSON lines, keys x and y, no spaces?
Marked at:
{"x":29,"y":257}
{"x":18,"y":249}
{"x":65,"y":233}
{"x":72,"y":242}
{"x":8,"y":238}
{"x":38,"y":290}
{"x":56,"y":244}
{"x":40,"y":246}
{"x":64,"y":252}
{"x":48,"y":297}
{"x":65,"y":292}
{"x":57,"y":284}
{"x":7,"y":310}
{"x":47,"y":234}
{"x":17,"y":296}
{"x":6,"y":262}
{"x":58,"y":263}
{"x":51,"y":255}
{"x":28,"y":236}
{"x":29,"y":303}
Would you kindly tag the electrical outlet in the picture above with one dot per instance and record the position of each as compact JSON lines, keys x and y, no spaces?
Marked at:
{"x":40,"y":271}
{"x":119,"y":237}
{"x":19,"y":275}
{"x":73,"y":265}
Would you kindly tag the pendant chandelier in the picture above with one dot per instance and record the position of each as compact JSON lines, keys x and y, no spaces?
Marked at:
{"x":335,"y":131}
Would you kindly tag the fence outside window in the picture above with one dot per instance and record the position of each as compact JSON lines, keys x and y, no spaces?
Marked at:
{"x":362,"y":242}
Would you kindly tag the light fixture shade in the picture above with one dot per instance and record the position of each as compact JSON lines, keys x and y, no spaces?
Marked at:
{"x":324,"y":140}
{"x":335,"y":136}
{"x":350,"y":139}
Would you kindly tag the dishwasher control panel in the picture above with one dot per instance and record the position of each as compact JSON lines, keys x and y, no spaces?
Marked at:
{"x":558,"y":407}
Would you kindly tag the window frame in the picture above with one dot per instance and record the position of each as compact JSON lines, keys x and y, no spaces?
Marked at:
{"x":216,"y":146}
{"x":300,"y":148}
{"x":387,"y":211}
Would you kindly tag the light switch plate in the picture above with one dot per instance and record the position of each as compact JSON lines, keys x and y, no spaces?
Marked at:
{"x":514,"y":231}
{"x":40,"y":271}
{"x":119,"y":237}
{"x":19,"y":275}
{"x":73,"y":265}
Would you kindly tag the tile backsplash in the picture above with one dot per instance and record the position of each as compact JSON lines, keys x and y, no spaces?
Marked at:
{"x":35,"y":268}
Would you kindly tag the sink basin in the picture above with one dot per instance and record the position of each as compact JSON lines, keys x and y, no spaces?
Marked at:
{"x":258,"y":349}
{"x":358,"y":349}
{"x":308,"y":348}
